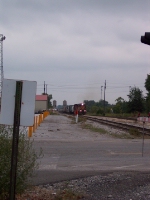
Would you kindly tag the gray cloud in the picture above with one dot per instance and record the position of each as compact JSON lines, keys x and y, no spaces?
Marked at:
{"x":76,"y":43}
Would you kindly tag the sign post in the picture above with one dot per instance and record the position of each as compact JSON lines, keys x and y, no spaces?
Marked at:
{"x":143,"y":119}
{"x":143,"y":140}
{"x":15,"y":140}
{"x":17,"y":109}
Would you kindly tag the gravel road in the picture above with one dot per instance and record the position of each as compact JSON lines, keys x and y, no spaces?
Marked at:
{"x":113,"y":185}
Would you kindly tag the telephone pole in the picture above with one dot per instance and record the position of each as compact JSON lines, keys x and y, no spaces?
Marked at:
{"x":44,"y":87}
{"x":104,"y":96}
{"x":1,"y":62}
{"x":101,"y":92}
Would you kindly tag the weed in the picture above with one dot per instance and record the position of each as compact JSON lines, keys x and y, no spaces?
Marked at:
{"x":122,"y":136}
{"x":134,"y":132}
{"x":80,"y":119}
{"x":26,"y":165}
{"x":68,"y":194}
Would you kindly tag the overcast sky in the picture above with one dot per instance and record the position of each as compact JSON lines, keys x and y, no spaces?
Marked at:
{"x":75,"y":45}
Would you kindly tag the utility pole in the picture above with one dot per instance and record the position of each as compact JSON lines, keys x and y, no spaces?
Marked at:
{"x":1,"y":62}
{"x":104,"y":96}
{"x":101,"y":92}
{"x":44,"y":87}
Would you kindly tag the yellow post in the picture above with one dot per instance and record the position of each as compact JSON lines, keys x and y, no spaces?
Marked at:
{"x":40,"y":118}
{"x":36,"y":122}
{"x":47,"y":113}
{"x":30,"y":131}
{"x":34,"y":125}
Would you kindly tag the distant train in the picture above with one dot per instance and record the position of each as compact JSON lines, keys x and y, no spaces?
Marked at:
{"x":81,"y":107}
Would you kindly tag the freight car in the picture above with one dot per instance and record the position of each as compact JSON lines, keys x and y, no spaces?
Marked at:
{"x":68,"y":109}
{"x":71,"y":109}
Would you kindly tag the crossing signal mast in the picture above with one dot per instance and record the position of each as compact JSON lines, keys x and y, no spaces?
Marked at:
{"x":146,"y":38}
{"x":2,"y":38}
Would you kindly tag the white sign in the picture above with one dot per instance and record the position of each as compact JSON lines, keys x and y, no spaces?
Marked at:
{"x":143,"y":119}
{"x":27,"y":104}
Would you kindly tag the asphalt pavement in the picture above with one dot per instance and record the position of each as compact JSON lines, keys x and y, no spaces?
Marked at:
{"x":71,"y":152}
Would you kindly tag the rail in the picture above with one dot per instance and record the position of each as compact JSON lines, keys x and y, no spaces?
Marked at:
{"x":119,"y":125}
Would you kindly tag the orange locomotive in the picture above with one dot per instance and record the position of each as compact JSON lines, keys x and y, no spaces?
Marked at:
{"x":81,"y":108}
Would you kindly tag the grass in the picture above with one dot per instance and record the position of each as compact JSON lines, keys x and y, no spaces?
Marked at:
{"x":80,"y":119}
{"x":103,"y":131}
{"x":135,"y":132}
{"x":85,"y":125}
{"x":94,"y":129}
{"x":122,"y":136}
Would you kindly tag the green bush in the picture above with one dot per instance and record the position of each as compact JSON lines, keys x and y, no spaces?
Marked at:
{"x":26,"y":165}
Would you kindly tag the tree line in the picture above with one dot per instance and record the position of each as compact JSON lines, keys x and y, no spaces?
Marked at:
{"x":137,"y":103}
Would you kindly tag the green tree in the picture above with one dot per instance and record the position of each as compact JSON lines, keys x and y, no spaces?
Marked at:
{"x":93,"y":109}
{"x":49,"y":101}
{"x":119,"y":107}
{"x":147,"y":83}
{"x":147,"y":102}
{"x":100,"y":111}
{"x":136,"y":100}
{"x":147,"y":86}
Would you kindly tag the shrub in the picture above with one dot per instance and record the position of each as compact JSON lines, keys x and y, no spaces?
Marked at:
{"x":26,"y":165}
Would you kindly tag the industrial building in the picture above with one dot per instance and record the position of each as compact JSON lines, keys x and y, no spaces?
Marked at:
{"x":54,"y":104}
{"x":41,"y":103}
{"x":64,"y":103}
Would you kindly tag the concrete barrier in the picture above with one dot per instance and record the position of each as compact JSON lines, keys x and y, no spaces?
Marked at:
{"x":37,"y":121}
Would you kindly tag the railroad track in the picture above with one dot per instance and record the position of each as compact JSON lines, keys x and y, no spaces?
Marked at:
{"x":119,"y":125}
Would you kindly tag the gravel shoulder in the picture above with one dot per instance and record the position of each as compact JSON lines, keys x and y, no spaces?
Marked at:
{"x":112,"y":185}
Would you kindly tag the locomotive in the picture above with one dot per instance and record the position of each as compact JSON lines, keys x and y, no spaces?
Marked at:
{"x":80,"y":107}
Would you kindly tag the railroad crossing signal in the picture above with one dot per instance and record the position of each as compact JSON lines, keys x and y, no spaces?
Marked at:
{"x":146,"y":38}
